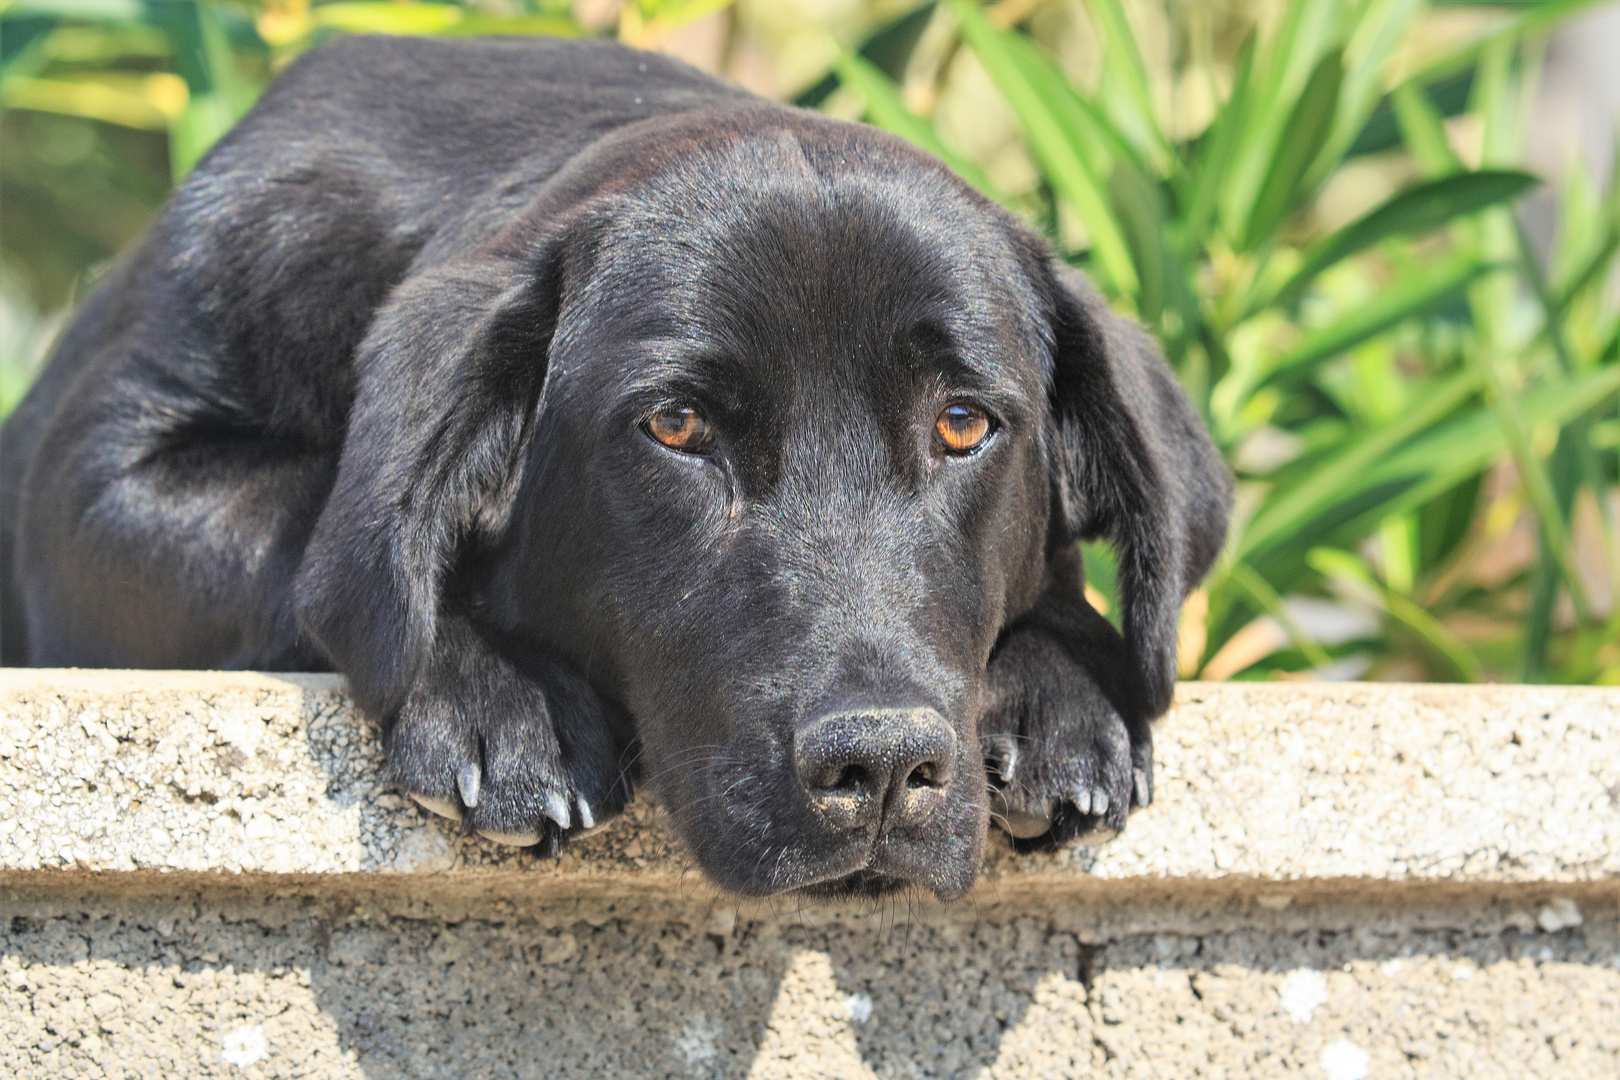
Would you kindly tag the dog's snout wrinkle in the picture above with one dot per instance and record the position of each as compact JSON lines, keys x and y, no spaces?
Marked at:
{"x":873,"y":770}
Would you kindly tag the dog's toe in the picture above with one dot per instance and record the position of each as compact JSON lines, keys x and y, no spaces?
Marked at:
{"x":511,"y":839}
{"x":1019,"y":824}
{"x":1082,"y":799}
{"x":443,"y":807}
{"x":1076,"y":784}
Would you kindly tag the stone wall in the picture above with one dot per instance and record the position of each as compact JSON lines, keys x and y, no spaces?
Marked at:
{"x":203,"y":875}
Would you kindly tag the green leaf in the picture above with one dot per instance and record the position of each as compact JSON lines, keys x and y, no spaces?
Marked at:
{"x":1215,"y":161}
{"x":1377,"y":29}
{"x":218,"y":93}
{"x":1382,"y":131}
{"x":1303,"y":137}
{"x":885,"y":108}
{"x":386,"y":17}
{"x":1141,"y":212}
{"x":1422,"y":289}
{"x":99,"y":10}
{"x":1346,"y":567}
{"x":1462,"y":448}
{"x":1123,"y":67}
{"x":889,"y":48}
{"x":22,"y":42}
{"x":1287,"y":512}
{"x":1423,"y":131}
{"x":1533,"y":17}
{"x":1092,"y":133}
{"x":1258,"y":588}
{"x":1416,"y":210}
{"x":514,"y":25}
{"x":1283,"y":67}
{"x":1588,"y":270}
{"x":1053,"y":146}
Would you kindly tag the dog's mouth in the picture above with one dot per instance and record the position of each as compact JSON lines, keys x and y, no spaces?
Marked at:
{"x":862,"y":869}
{"x":861,"y":885}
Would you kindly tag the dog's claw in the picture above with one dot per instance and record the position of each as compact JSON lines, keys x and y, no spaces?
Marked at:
{"x":467,"y":780}
{"x":586,"y":819}
{"x":443,"y":807}
{"x":1098,"y":835}
{"x":511,"y":839}
{"x":1099,"y":802}
{"x":1001,"y":755}
{"x":1139,"y":787}
{"x":557,"y":809}
{"x":1082,"y":800}
{"x":1018,"y":824}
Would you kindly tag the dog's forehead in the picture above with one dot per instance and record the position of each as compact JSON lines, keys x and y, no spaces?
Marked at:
{"x":819,"y":248}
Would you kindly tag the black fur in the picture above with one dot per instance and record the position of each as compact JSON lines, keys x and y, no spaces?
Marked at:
{"x":370,"y":396}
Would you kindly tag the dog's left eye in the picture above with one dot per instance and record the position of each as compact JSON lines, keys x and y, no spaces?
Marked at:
{"x":681,"y":429}
{"x":962,"y":428}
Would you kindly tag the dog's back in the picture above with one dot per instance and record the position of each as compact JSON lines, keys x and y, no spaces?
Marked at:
{"x":241,"y":308}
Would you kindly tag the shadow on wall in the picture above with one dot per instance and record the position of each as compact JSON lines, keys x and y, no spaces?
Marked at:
{"x":290,"y":988}
{"x":285,"y":991}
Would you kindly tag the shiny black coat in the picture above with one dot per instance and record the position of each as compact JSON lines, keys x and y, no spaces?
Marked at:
{"x":371,"y":395}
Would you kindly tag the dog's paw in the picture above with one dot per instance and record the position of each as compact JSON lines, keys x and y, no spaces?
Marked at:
{"x":1062,"y":763}
{"x":523,"y":757}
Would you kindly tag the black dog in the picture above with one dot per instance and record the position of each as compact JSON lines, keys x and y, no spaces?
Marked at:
{"x":585,"y":411}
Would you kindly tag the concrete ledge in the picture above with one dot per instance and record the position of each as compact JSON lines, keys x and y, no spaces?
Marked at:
{"x":202,"y":874}
{"x":206,"y":773}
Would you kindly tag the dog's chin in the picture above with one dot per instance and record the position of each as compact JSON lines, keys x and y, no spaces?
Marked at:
{"x":824,"y":864}
{"x":849,"y":874}
{"x":862,"y":885}
{"x":856,"y":877}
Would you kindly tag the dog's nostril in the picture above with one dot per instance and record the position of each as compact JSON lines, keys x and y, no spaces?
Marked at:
{"x":852,"y":778}
{"x":922,"y":776}
{"x":878,"y":767}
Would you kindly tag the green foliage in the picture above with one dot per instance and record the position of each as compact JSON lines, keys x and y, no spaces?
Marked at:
{"x":1390,"y":364}
{"x":107,"y":102}
{"x":1394,"y":391}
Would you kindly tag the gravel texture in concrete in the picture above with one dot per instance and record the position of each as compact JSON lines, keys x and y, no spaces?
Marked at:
{"x":204,"y":875}
{"x":184,"y":987}
{"x":209,"y":773}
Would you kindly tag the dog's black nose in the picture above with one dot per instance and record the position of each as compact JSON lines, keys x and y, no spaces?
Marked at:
{"x":876,"y":768}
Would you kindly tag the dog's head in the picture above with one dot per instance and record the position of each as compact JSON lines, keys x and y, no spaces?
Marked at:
{"x":767,"y":424}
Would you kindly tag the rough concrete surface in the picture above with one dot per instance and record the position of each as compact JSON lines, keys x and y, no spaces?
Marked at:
{"x":239,"y":772}
{"x":176,"y":989}
{"x":203,"y":875}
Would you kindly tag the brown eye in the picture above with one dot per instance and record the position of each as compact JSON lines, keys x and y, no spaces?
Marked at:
{"x":962,"y":428}
{"x":681,"y":429}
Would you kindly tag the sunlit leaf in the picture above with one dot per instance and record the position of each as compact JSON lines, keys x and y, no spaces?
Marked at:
{"x":1337,"y":478}
{"x":1215,"y":160}
{"x":886,"y":109}
{"x":1419,"y":291}
{"x":1052,"y":146}
{"x":1416,"y":210}
{"x":1133,"y":107}
{"x":1304,"y":135}
{"x":1282,"y":68}
{"x":76,"y":9}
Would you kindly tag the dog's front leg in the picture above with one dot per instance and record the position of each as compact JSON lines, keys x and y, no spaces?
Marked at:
{"x":1065,"y":755}
{"x":516,"y":746}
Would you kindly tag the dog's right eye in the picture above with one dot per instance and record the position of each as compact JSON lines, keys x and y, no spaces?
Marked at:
{"x":682,"y":430}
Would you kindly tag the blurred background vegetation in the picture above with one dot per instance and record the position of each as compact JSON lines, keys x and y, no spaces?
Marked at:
{"x":1405,"y":337}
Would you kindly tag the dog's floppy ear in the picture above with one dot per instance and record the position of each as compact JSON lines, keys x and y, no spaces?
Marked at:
{"x":449,"y":377}
{"x":1131,"y":462}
